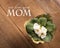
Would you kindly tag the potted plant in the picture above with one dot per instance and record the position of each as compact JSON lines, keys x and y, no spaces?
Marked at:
{"x":40,"y":29}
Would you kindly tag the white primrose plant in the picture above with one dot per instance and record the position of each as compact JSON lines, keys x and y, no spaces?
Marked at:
{"x":40,"y":28}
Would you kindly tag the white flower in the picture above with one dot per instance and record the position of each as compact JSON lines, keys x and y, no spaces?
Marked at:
{"x":42,"y":35}
{"x":40,"y":31}
{"x":37,"y":31}
{"x":36,"y":26}
{"x":43,"y":29}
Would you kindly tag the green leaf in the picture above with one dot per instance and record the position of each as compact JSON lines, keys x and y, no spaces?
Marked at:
{"x":34,"y":20}
{"x":29,"y":28}
{"x":50,"y":26}
{"x":48,"y":38}
{"x":36,"y":38}
{"x":42,"y":21}
{"x":47,"y":16}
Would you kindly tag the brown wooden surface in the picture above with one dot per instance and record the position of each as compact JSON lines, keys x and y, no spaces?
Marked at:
{"x":12,"y":31}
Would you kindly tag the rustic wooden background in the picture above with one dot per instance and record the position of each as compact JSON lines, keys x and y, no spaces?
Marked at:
{"x":12,"y":31}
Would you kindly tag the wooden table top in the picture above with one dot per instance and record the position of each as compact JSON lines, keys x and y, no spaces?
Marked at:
{"x":12,"y":31}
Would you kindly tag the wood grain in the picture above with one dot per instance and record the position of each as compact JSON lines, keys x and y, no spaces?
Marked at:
{"x":10,"y":34}
{"x":13,"y":27}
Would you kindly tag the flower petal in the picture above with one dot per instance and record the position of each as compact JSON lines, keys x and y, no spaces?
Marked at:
{"x":43,"y":36}
{"x":36,"y":26}
{"x":43,"y":29}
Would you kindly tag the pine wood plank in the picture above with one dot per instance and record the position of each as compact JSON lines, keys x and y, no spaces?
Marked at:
{"x":33,"y":6}
{"x":10,"y":36}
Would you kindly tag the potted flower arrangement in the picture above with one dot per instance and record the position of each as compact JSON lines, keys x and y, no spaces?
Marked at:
{"x":40,"y":29}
